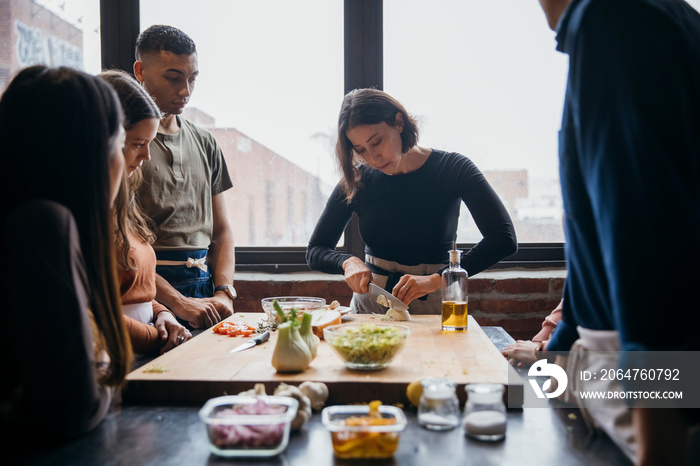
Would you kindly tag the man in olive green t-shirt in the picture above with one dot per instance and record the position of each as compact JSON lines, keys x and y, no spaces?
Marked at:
{"x":183,"y":187}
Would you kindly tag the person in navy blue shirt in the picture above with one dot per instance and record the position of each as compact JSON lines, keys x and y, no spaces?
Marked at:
{"x":630,"y":175}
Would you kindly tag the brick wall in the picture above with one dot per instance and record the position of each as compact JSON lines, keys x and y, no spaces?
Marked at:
{"x":517,"y":300}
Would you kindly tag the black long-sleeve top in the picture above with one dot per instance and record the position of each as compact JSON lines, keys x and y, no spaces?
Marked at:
{"x":49,"y":388}
{"x":412,"y":218}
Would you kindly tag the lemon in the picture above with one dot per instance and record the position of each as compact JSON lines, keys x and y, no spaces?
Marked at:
{"x":414,"y":391}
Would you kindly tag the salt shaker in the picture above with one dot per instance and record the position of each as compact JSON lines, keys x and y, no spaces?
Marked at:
{"x":439,"y":407}
{"x":485,"y":412}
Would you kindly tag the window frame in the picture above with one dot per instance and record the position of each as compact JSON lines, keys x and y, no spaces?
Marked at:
{"x":363,"y":63}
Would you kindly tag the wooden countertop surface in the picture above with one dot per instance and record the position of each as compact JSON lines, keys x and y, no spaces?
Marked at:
{"x":204,"y":368}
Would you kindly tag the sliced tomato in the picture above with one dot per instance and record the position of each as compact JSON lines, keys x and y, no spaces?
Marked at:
{"x":217,"y":327}
{"x":233,"y":331}
{"x":225,"y":328}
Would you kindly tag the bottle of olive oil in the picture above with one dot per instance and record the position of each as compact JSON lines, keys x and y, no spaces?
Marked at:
{"x":455,"y":297}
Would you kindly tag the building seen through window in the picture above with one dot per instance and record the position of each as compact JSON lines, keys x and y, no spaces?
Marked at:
{"x":485,"y":81}
{"x":269,"y":90}
{"x":54,"y":33}
{"x":49,"y":32}
{"x":482,"y":83}
{"x":274,"y":201}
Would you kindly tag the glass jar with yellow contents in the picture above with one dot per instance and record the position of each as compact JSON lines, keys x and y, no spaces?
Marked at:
{"x":455,"y":298}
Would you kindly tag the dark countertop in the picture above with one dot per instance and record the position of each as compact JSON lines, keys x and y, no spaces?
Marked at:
{"x":173,"y":435}
{"x":499,"y":337}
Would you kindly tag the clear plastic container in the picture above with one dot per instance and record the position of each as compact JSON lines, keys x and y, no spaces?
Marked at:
{"x":235,"y":430}
{"x":363,"y":441}
{"x":485,"y":412}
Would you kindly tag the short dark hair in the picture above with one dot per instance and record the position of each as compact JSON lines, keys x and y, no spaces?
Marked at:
{"x":368,"y":107}
{"x":160,"y":38}
{"x":136,"y":102}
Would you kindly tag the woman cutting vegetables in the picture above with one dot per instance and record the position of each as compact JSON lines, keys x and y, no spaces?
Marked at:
{"x":407,"y":199}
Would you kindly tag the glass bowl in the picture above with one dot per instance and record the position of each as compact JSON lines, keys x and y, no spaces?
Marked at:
{"x":300,"y":303}
{"x":366,"y":346}
{"x":248,"y":425}
{"x":363,"y":441}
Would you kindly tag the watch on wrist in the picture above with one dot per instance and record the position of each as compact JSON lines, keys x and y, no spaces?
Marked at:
{"x":229,"y":289}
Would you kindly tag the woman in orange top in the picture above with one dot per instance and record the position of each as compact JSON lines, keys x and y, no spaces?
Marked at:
{"x":152,"y":327}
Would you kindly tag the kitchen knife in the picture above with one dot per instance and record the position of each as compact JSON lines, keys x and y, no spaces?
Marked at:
{"x":263,"y":337}
{"x":396,"y":303}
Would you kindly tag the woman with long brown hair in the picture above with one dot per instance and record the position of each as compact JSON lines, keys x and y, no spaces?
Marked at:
{"x":67,"y":349}
{"x":152,"y":327}
{"x":407,"y":199}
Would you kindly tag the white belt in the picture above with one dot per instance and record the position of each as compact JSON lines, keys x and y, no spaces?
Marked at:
{"x":142,"y":312}
{"x":190,"y":262}
{"x":599,"y":340}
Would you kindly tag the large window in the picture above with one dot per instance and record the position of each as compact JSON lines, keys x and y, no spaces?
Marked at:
{"x":484,"y":80}
{"x":49,"y":32}
{"x":269,"y":89}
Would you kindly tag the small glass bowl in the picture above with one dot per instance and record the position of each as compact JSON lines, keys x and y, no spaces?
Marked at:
{"x":380,"y":441}
{"x":300,"y":303}
{"x":366,"y":346}
{"x":234,"y":431}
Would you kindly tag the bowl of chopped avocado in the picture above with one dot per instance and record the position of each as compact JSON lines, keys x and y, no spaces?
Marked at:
{"x":366,"y":346}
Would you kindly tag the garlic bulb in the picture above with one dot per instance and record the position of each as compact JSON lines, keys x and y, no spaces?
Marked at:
{"x":304,"y":410}
{"x":317,"y":392}
{"x":291,"y":352}
{"x":257,"y":390}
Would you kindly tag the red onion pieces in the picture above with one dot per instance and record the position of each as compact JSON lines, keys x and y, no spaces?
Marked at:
{"x":248,"y":436}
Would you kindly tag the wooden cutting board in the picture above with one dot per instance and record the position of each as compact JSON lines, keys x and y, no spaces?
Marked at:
{"x":204,"y":368}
